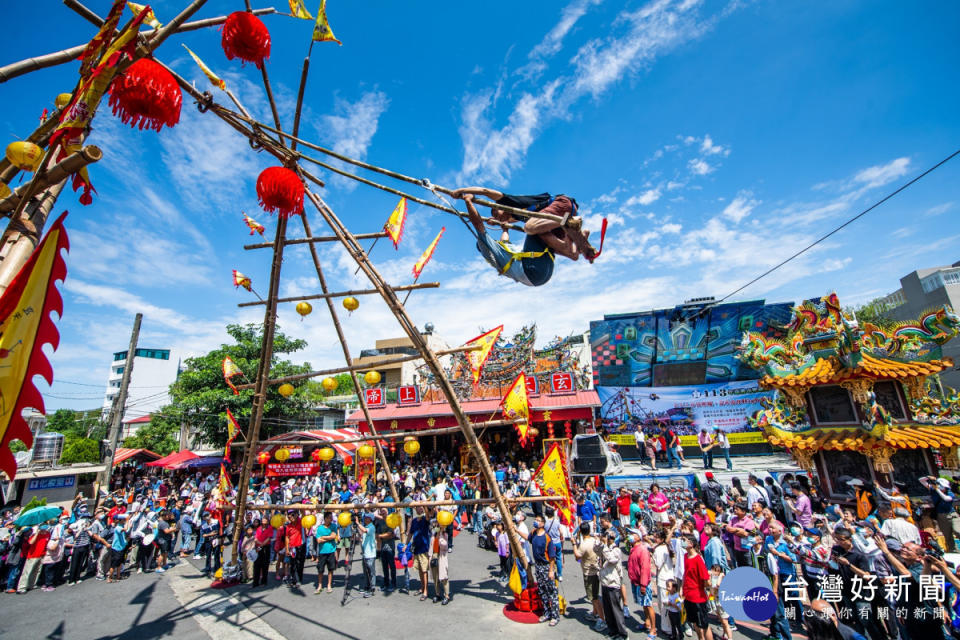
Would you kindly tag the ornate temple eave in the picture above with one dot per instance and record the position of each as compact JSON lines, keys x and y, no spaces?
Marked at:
{"x":906,"y":436}
{"x":829,"y":371}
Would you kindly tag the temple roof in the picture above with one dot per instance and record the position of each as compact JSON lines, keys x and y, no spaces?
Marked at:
{"x":856,"y":439}
{"x":830,"y":371}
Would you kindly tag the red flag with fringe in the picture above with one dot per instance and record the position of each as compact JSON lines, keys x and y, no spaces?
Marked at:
{"x":478,"y":357}
{"x":396,"y":221}
{"x":427,"y":254}
{"x":232,"y":430}
{"x":25,"y":327}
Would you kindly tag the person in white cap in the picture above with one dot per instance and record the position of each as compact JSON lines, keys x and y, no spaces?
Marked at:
{"x":944,"y":502}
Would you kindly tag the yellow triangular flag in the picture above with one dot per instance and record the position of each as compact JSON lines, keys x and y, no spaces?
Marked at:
{"x":214,"y":78}
{"x":478,"y":357}
{"x":321,"y":30}
{"x":150,"y":19}
{"x":297,"y":10}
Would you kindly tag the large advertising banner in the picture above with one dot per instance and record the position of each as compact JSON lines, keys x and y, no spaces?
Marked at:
{"x":684,"y":409}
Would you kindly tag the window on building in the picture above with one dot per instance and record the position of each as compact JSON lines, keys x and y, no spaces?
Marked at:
{"x":119,"y":370}
{"x":931,"y":283}
{"x":888,"y":397}
{"x":832,"y":404}
{"x":951,"y":277}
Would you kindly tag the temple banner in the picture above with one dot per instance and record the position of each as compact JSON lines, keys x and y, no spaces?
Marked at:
{"x":686,"y":409}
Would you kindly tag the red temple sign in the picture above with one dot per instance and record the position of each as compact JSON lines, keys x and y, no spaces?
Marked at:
{"x":375,"y":397}
{"x":533,"y":386}
{"x":409,"y":395}
{"x":292,"y":469}
{"x":561,"y":383}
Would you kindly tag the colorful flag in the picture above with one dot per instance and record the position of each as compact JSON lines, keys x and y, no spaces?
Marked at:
{"x":230,"y":370}
{"x":25,"y":327}
{"x":255,"y":227}
{"x":516,"y":407}
{"x":150,"y":18}
{"x":425,"y":258}
{"x":395,"y":223}
{"x":478,"y":357}
{"x":551,"y":477}
{"x":321,"y":30}
{"x":211,"y":76}
{"x":232,"y":430}
{"x":221,"y":493}
{"x":297,"y":10}
{"x":240,"y":280}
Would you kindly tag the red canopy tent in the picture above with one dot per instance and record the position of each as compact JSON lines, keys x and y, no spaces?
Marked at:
{"x":125,"y":454}
{"x":173,"y":459}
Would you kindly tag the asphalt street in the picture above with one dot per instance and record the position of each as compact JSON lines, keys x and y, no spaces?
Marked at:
{"x":179,"y":604}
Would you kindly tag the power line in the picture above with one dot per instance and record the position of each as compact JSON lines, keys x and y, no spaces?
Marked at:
{"x":845,"y":224}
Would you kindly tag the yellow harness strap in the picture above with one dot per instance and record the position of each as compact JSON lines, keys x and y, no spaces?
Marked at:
{"x":520,"y":255}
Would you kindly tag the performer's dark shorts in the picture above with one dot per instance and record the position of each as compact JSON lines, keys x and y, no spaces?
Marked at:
{"x":696,"y":613}
{"x":326,"y":560}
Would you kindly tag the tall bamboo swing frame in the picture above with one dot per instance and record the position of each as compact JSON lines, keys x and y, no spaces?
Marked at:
{"x":41,"y":191}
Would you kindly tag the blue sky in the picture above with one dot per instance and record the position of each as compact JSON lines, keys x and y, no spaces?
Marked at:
{"x":717,"y":137}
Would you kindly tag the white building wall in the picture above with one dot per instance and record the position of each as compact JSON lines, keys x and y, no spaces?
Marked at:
{"x":149,"y":382}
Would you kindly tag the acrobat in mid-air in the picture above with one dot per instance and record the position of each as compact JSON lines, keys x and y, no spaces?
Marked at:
{"x":531,"y":264}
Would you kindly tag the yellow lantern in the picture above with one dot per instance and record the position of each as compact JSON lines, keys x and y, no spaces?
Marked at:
{"x":371,"y":377}
{"x":276,"y":521}
{"x":344,"y":519}
{"x":326,"y":454}
{"x":329,"y":384}
{"x":286,"y":390}
{"x":282,"y":455}
{"x":304,"y":308}
{"x":4,"y":190}
{"x":308,"y":521}
{"x":351,"y":304}
{"x":393,"y":520}
{"x":411,"y":447}
{"x":444,"y":518}
{"x":25,"y":156}
{"x":365,"y":451}
{"x":62,"y":100}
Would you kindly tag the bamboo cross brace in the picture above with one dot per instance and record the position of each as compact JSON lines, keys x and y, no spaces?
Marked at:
{"x":344,"y":294}
{"x":359,"y":236}
{"x":382,"y":436}
{"x":426,"y":504}
{"x":58,"y":172}
{"x":357,"y":367}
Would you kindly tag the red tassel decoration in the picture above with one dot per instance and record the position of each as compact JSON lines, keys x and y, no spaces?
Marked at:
{"x":146,"y":96}
{"x":280,"y":191}
{"x":245,"y":37}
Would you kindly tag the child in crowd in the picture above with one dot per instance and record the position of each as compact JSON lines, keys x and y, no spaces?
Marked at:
{"x":404,"y":556}
{"x":503,"y":550}
{"x":674,"y":602}
{"x":713,"y":603}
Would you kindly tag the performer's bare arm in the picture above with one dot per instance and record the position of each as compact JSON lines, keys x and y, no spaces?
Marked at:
{"x":474,"y":216}
{"x":492,"y":194}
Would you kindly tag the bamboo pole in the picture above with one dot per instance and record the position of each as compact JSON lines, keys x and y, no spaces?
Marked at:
{"x":383,"y":436}
{"x":344,"y":294}
{"x":15,"y":69}
{"x":357,"y":367}
{"x":57,"y":173}
{"x":263,"y":374}
{"x":353,"y":247}
{"x":359,"y":236}
{"x":340,"y":506}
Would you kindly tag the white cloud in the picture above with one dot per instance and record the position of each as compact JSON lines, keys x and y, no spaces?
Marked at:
{"x":711,"y":149}
{"x":699,"y":167}
{"x":879,"y":175}
{"x":740,"y":207}
{"x":553,"y":41}
{"x":939,"y":209}
{"x":646,"y":198}
{"x":350,"y":129}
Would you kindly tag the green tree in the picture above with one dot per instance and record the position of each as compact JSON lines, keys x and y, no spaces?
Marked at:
{"x":161,"y":436}
{"x":80,"y":450}
{"x":872,"y":312}
{"x":200,"y":397}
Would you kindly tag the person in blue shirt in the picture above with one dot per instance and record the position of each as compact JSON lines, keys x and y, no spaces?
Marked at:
{"x":327,"y":538}
{"x":419,"y":539}
{"x":715,"y":553}
{"x":118,"y":548}
{"x":586,"y":511}
{"x":785,"y":553}
{"x":944,"y":502}
{"x":368,"y":552}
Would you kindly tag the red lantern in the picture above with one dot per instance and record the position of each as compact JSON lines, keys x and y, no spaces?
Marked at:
{"x":280,"y":191}
{"x":315,"y":455}
{"x":245,"y":37}
{"x":263,"y":457}
{"x":550,"y":429}
{"x":146,"y":95}
{"x":568,"y":430}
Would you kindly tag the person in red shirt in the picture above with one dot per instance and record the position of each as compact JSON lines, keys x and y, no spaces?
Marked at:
{"x":296,"y":550}
{"x":34,"y":550}
{"x":623,"y":506}
{"x":696,"y":584}
{"x":638,"y":569}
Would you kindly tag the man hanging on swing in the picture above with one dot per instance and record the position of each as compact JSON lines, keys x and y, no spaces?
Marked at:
{"x":532,"y":264}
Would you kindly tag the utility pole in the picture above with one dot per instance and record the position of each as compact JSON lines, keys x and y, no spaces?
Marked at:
{"x":116,"y":422}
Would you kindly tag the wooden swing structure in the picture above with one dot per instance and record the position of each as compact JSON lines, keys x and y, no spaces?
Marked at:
{"x":30,"y":206}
